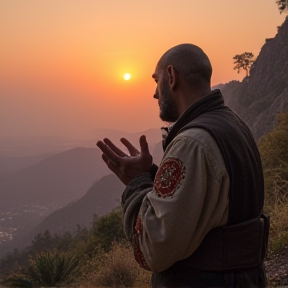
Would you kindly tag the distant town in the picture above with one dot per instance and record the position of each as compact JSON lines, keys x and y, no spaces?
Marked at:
{"x":9,"y":219}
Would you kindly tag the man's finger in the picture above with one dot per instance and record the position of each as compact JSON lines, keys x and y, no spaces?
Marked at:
{"x":114,"y":148}
{"x":144,"y":145}
{"x":132,"y":150}
{"x":105,"y":158}
{"x":110,"y":154}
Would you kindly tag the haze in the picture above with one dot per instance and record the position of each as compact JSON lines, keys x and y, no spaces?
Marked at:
{"x":62,"y":62}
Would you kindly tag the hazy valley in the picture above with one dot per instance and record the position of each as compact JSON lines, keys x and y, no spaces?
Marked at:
{"x":34,"y":186}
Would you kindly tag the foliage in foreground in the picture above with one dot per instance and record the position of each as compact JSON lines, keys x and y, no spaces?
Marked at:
{"x":49,"y":268}
{"x":54,"y":260}
{"x":274,"y":152}
{"x":117,"y":268}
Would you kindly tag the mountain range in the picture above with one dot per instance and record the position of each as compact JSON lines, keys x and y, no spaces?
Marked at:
{"x":32,"y":187}
{"x":61,"y":177}
{"x":21,"y":147}
{"x":101,"y":198}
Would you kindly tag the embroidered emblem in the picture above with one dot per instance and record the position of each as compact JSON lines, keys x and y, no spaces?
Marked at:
{"x":139,"y":257}
{"x":169,"y":176}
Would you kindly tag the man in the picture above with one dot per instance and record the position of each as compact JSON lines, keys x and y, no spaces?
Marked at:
{"x":196,"y":220}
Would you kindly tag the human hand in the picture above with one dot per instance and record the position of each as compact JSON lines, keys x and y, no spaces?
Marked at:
{"x":126,"y":167}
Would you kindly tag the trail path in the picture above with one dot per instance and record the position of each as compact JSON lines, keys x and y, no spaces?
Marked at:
{"x":277,"y":269}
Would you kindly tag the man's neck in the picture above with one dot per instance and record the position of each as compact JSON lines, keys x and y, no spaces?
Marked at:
{"x":190,"y":97}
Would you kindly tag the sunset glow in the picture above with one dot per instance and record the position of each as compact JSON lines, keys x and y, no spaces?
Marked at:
{"x":63,"y":62}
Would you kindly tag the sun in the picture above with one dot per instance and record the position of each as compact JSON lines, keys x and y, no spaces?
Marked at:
{"x":127,"y":76}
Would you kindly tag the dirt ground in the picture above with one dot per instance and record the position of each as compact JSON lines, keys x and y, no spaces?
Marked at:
{"x":277,"y":269}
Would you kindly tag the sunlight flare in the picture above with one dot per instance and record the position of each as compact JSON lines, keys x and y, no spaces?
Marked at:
{"x":127,"y":76}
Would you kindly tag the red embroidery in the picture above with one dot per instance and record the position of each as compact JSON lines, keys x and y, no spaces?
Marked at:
{"x":136,"y":245}
{"x":169,"y":176}
{"x":138,"y":226}
{"x":138,"y":253}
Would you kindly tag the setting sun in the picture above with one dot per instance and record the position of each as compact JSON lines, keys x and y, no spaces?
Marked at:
{"x":127,"y":76}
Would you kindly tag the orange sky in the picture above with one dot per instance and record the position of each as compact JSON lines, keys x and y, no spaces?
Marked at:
{"x":62,"y":61}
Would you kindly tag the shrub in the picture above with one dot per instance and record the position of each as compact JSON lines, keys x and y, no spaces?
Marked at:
{"x":51,"y":268}
{"x":273,"y":148}
{"x":117,"y":268}
{"x":18,"y":278}
{"x":108,"y":229}
{"x":278,"y":236}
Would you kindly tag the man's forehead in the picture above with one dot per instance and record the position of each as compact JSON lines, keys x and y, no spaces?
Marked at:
{"x":156,"y":72}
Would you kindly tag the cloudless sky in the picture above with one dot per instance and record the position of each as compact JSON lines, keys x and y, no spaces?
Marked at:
{"x":62,"y":62}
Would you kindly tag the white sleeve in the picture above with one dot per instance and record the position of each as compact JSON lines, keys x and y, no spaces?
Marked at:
{"x":189,"y":198}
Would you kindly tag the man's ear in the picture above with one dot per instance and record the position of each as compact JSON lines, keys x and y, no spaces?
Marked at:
{"x":172,"y":77}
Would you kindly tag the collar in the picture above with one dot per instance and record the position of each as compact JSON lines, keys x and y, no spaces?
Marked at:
{"x":203,"y":105}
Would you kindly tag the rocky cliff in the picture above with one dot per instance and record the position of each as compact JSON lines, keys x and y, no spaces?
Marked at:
{"x":263,"y":94}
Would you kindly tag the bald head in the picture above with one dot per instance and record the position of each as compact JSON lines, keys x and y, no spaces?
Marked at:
{"x":190,"y":61}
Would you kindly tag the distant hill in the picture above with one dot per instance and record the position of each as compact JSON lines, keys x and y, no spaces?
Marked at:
{"x":9,"y":164}
{"x":153,"y":136}
{"x":34,"y":145}
{"x":263,"y":94}
{"x":60,"y":178}
{"x":31,"y":146}
{"x":28,"y":195}
{"x":100,"y":199}
{"x":32,"y":193}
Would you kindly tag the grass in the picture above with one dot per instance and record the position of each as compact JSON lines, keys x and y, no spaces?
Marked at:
{"x":116,"y":269}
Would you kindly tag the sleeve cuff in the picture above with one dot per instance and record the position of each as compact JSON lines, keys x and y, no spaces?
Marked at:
{"x":153,"y":171}
{"x":145,"y":177}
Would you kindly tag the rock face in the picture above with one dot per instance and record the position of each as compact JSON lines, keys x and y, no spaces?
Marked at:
{"x":263,"y":94}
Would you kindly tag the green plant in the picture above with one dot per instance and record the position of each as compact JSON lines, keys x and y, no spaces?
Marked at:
{"x":50,"y":268}
{"x":18,"y":279}
{"x":273,"y":148}
{"x":108,"y":229}
{"x":118,"y":267}
{"x":277,"y":208}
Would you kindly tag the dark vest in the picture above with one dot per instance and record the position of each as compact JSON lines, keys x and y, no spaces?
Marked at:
{"x":239,"y":244}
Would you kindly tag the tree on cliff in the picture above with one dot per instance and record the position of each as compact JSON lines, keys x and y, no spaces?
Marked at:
{"x":243,"y":61}
{"x":282,"y":5}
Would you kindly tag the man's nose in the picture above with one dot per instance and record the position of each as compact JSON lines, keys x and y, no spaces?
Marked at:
{"x":155,"y":96}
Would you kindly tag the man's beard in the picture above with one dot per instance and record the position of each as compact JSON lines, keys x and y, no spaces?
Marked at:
{"x":168,"y":110}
